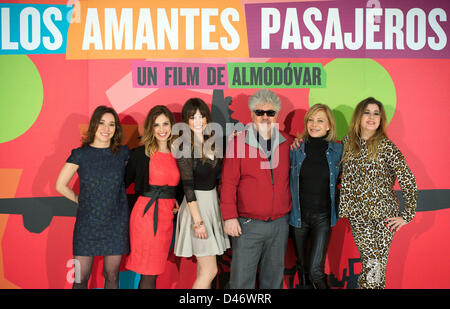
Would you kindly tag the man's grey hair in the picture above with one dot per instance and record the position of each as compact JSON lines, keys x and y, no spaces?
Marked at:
{"x":264,"y":96}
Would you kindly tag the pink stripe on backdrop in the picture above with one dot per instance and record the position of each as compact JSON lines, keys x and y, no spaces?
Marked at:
{"x":175,"y":75}
{"x":435,"y":29}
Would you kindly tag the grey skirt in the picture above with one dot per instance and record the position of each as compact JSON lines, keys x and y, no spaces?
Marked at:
{"x":186,"y":244}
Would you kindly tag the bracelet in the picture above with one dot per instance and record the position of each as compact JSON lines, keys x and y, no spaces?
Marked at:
{"x":197,"y":225}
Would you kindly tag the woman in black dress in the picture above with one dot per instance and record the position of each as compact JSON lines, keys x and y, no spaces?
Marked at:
{"x":101,"y":227}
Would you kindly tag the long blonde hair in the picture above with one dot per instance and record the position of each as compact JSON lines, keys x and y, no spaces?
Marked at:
{"x":148,"y":138}
{"x":352,"y":144}
{"x":332,"y":136}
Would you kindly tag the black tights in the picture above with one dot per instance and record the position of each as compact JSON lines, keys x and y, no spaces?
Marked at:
{"x":83,"y":267}
{"x":315,"y":230}
{"x":147,"y":282}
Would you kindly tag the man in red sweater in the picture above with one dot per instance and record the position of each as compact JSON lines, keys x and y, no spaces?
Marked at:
{"x":255,"y":197}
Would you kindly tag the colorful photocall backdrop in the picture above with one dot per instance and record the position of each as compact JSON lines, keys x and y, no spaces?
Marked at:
{"x":59,"y":60}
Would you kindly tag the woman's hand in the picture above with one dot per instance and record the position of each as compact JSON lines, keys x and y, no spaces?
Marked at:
{"x":395,"y":223}
{"x":200,"y":230}
{"x":62,"y":183}
{"x":176,"y":208}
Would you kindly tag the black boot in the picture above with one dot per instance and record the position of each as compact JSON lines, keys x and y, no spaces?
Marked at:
{"x":321,"y":285}
{"x":304,"y":282}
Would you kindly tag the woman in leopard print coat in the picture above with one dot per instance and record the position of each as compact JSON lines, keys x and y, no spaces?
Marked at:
{"x":371,"y":164}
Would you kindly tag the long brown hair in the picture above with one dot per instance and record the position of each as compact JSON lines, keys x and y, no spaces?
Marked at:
{"x":148,"y":138}
{"x":89,"y":136}
{"x":352,"y":145}
{"x":189,"y":109}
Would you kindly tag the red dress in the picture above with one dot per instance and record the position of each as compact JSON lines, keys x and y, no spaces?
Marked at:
{"x":149,"y":252}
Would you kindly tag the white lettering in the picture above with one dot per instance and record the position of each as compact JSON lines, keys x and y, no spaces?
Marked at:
{"x":92,"y":33}
{"x":167,"y":30}
{"x":371,"y":28}
{"x":6,"y":39}
{"x":207,"y":28}
{"x":411,"y":28}
{"x":291,"y":26}
{"x":442,"y":37}
{"x":118,"y":31}
{"x":35,"y":28}
{"x":144,"y":32}
{"x":394,"y":28}
{"x":333,"y":32}
{"x":312,"y":28}
{"x":190,"y":26}
{"x":359,"y":26}
{"x":266,"y":27}
{"x":234,"y":35}
{"x":48,"y":22}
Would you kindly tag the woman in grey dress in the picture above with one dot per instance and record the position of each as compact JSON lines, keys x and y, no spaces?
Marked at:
{"x":199,"y":230}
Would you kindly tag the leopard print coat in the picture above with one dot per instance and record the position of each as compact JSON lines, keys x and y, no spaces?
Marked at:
{"x":367,"y":185}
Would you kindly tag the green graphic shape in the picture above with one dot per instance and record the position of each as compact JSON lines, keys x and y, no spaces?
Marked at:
{"x":349,"y":81}
{"x":21,"y":96}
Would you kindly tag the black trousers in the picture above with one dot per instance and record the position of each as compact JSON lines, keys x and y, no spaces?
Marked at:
{"x":311,"y":244}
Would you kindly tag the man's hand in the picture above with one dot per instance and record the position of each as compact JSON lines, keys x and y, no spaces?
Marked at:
{"x":232,"y":227}
{"x":296,"y":143}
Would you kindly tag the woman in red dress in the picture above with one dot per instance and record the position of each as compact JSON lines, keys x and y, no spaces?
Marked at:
{"x":154,"y":171}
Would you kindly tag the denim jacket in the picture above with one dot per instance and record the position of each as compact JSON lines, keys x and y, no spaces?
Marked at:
{"x":334,"y":155}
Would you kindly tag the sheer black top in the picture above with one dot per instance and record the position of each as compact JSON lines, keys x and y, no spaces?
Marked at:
{"x":199,"y":173}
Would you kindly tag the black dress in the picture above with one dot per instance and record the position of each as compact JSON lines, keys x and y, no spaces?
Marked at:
{"x":102,"y":223}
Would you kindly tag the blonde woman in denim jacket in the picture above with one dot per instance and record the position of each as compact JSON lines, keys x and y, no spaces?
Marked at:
{"x":315,"y":167}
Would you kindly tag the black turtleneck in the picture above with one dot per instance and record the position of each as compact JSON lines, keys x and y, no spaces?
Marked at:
{"x":314,"y":184}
